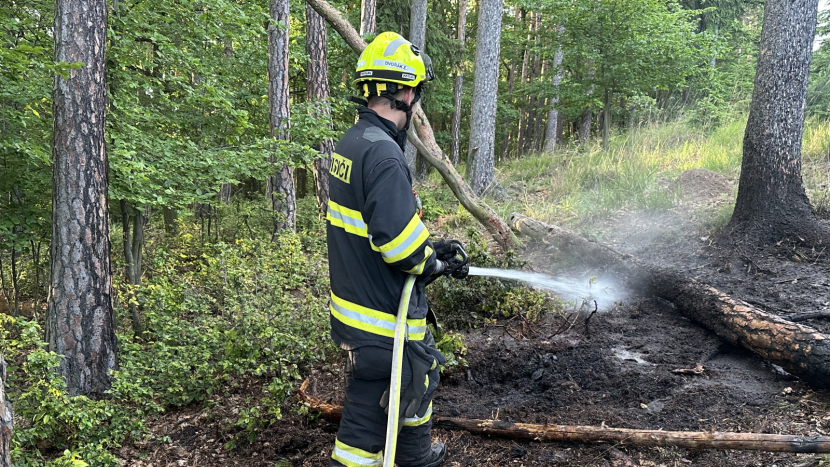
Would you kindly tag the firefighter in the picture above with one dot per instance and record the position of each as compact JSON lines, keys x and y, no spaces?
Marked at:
{"x":375,"y":240}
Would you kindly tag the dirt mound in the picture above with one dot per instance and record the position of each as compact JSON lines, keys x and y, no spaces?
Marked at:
{"x":702,"y":184}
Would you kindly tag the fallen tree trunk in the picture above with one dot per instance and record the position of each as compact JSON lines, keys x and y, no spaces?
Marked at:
{"x":425,"y":143}
{"x":801,"y":350}
{"x":6,"y":419}
{"x":602,"y":434}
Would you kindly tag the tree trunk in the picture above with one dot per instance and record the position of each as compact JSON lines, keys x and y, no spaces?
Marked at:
{"x":424,"y":140}
{"x":606,"y":120}
{"x":522,"y":125}
{"x":368,"y":15}
{"x":553,"y":113}
{"x":79,"y":322}
{"x":317,"y":83}
{"x":799,"y":349}
{"x":6,"y":419}
{"x":170,"y":216}
{"x":583,"y":132}
{"x":772,"y":204}
{"x":132,"y":222}
{"x":280,"y":186}
{"x":535,"y":72}
{"x":417,"y":35}
{"x":481,"y":168}
{"x":458,"y":91}
{"x":602,"y":434}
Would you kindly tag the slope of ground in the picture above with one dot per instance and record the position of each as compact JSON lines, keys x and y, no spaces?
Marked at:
{"x":616,"y":369}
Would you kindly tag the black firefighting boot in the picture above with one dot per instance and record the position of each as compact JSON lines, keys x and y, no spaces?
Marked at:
{"x":437,"y":454}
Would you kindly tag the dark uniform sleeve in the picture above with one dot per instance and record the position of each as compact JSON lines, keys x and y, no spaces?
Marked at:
{"x":395,"y":230}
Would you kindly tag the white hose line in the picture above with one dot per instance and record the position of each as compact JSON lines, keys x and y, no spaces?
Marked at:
{"x":397,"y":365}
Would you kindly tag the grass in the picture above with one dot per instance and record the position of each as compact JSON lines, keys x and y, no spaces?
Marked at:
{"x":635,"y":172}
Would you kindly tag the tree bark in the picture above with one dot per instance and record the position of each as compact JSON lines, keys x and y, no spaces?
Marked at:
{"x":424,"y":140}
{"x":553,"y":113}
{"x":458,"y":91}
{"x":606,"y":120}
{"x":799,"y":349}
{"x":79,"y":322}
{"x":317,"y":83}
{"x":535,"y":72}
{"x":481,"y":168}
{"x":280,"y":186}
{"x":584,"y":129}
{"x":602,"y":434}
{"x":368,"y":15}
{"x":417,"y":35}
{"x":772,"y":204}
{"x":6,"y":419}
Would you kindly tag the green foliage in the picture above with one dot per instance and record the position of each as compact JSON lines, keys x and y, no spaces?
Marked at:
{"x":477,"y":300}
{"x":818,"y":95}
{"x":86,"y":431}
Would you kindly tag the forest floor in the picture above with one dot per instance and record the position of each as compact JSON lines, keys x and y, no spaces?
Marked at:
{"x":616,"y":370}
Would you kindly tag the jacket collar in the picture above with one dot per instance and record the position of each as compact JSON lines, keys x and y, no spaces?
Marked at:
{"x":387,"y":126}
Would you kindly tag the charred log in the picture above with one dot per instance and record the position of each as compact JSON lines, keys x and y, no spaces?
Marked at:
{"x":602,"y":434}
{"x":801,"y":350}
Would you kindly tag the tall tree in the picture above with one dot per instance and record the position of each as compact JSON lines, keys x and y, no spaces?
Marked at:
{"x":458,"y":89}
{"x":553,"y":112}
{"x":368,"y":17}
{"x":280,"y":186}
{"x":6,"y":420}
{"x":772,"y":204}
{"x":417,"y":35}
{"x":317,"y":85}
{"x":79,"y":321}
{"x":482,"y":171}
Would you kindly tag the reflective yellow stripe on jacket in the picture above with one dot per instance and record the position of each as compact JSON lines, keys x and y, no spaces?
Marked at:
{"x":348,"y":219}
{"x":373,"y":321}
{"x":413,"y":236}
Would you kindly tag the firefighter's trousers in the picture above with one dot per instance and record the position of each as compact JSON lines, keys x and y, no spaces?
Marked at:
{"x":362,"y":433}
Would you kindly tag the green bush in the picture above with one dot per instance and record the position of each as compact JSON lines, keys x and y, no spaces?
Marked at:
{"x":477,"y":300}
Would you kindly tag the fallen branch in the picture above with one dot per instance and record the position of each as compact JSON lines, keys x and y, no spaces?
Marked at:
{"x":602,"y":434}
{"x":424,"y":140}
{"x":801,"y":350}
{"x":803,"y":316}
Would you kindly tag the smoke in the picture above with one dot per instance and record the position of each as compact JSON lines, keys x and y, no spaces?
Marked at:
{"x":606,"y":292}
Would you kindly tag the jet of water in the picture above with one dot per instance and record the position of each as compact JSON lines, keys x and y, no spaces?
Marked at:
{"x":604,"y":291}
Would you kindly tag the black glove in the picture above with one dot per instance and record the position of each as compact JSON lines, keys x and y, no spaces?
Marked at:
{"x":454,"y":258}
{"x":419,"y":379}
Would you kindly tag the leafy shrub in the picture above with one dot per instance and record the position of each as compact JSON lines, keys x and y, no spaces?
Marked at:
{"x":466,"y":303}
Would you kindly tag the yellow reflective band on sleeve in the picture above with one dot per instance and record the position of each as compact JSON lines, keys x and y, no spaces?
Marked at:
{"x":419,"y":268}
{"x":354,"y":457}
{"x":373,"y":321}
{"x":415,"y":421}
{"x":348,"y":219}
{"x":413,"y":236}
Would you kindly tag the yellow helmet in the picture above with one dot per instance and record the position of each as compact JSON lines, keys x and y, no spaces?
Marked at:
{"x":391,"y":59}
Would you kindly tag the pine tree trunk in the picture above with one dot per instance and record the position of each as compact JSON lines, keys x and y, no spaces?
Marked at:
{"x":511,"y":79}
{"x":482,"y":171}
{"x":553,"y":113}
{"x":606,"y":120}
{"x":6,"y":419}
{"x":455,"y":151}
{"x":280,"y":188}
{"x":535,"y":72}
{"x":368,"y":15}
{"x":522,"y":125}
{"x":417,"y":35}
{"x":132,"y":223}
{"x":772,"y":204}
{"x":170,"y":216}
{"x":317,"y":83}
{"x":79,"y":321}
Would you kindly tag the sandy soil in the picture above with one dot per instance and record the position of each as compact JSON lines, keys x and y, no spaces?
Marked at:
{"x":616,"y":370}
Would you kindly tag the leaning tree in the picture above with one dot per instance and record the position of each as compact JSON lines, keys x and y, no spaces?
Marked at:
{"x":772,"y":204}
{"x":79,"y":321}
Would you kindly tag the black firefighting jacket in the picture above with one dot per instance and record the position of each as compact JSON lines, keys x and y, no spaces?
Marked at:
{"x":375,"y":237}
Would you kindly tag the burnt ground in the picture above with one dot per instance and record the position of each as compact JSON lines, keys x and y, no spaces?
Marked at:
{"x":617,"y":370}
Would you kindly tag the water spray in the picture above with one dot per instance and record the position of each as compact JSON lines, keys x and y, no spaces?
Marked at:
{"x":604,"y":291}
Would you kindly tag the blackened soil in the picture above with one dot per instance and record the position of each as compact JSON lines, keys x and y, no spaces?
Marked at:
{"x":617,"y":370}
